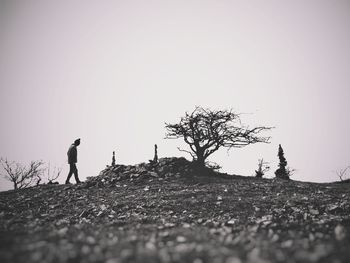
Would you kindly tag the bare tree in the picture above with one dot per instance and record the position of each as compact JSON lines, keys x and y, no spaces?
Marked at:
{"x":20,"y":175}
{"x":343,"y":173}
{"x":53,"y":174}
{"x":262,"y":168}
{"x":205,"y":131}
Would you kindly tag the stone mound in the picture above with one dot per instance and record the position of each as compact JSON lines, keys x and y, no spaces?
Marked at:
{"x":165,"y":168}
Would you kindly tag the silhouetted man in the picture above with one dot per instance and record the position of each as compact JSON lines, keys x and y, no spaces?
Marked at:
{"x":72,"y":160}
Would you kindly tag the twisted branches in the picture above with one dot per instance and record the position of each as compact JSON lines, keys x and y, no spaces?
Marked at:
{"x":205,"y":131}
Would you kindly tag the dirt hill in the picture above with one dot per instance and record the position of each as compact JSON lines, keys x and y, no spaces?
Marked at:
{"x":173,"y":213}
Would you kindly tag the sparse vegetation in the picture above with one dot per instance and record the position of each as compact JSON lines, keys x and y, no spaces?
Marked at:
{"x":282,"y":172}
{"x":20,"y":175}
{"x":343,"y":174}
{"x":263,"y":167}
{"x":206,"y":131}
{"x":53,"y":174}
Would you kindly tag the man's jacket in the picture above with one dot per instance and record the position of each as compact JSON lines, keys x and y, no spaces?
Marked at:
{"x":72,"y":154}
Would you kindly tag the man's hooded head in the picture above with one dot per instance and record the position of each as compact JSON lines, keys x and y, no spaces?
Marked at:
{"x":77,"y":142}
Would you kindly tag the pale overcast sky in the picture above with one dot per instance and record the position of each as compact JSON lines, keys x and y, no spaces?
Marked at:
{"x":112,"y":72}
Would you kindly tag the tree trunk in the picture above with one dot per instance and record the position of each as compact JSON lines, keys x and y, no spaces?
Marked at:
{"x":15,"y":185}
{"x":201,"y":162}
{"x":200,"y":158}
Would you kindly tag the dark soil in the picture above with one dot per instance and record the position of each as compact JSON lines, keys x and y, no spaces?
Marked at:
{"x":182,"y":218}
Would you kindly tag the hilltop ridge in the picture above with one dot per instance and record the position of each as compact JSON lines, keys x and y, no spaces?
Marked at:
{"x":173,"y":213}
{"x":165,"y":168}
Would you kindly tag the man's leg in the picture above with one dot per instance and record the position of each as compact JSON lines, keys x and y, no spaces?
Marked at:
{"x":76,"y":174}
{"x":71,"y":170}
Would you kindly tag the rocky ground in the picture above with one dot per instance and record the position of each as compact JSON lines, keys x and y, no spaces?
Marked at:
{"x":173,"y":213}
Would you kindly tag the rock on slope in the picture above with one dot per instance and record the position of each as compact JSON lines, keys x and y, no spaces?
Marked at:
{"x":172,"y":213}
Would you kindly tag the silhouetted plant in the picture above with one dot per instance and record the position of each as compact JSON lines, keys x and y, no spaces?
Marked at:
{"x":282,"y":172}
{"x":262,"y":168}
{"x":52,"y":175}
{"x":20,"y":175}
{"x":343,"y":174}
{"x":206,"y":131}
